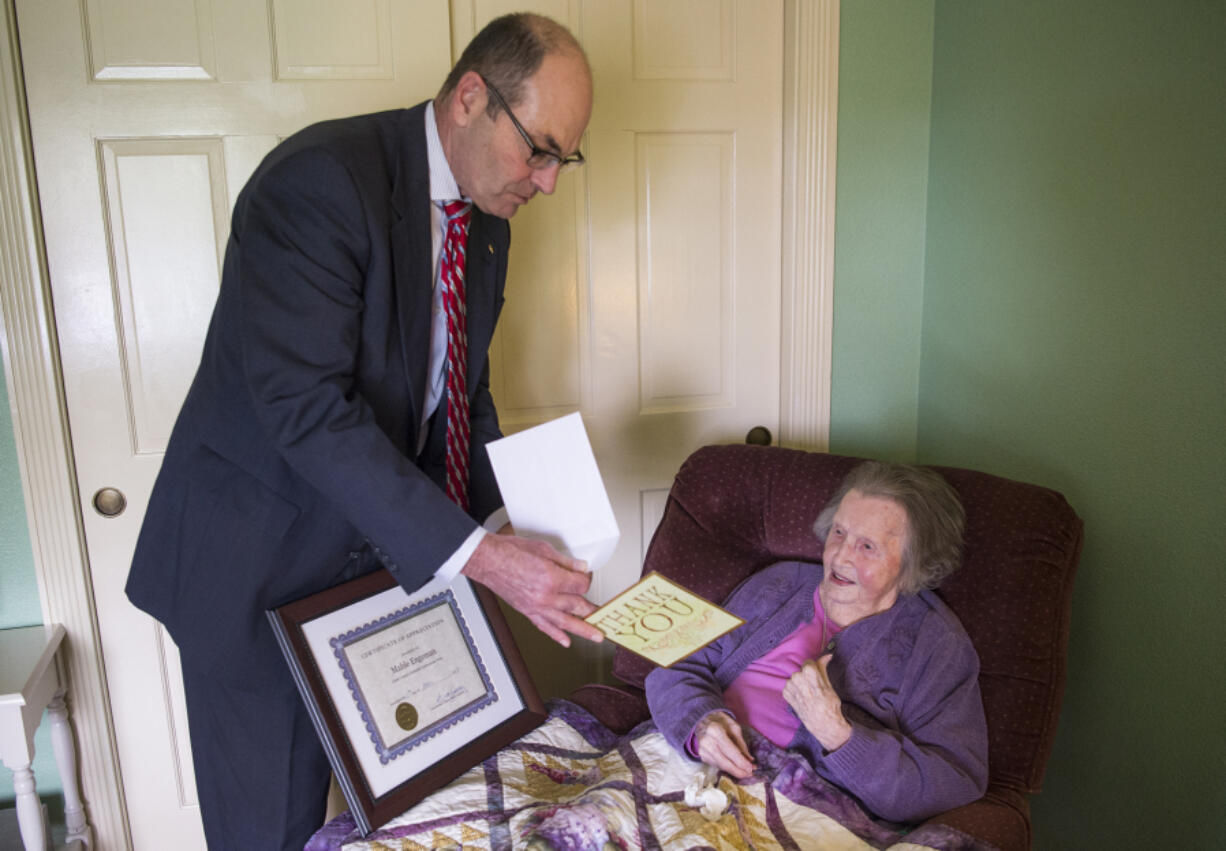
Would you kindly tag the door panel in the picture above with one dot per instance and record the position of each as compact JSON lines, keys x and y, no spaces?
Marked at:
{"x":684,"y":191}
{"x":166,"y":211}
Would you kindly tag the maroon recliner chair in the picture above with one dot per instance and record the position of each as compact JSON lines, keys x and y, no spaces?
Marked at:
{"x":736,"y":509}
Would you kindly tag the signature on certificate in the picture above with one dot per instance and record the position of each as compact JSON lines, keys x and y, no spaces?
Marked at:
{"x":449,"y":696}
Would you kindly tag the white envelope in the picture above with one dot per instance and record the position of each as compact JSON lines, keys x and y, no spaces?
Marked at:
{"x":553,"y":490}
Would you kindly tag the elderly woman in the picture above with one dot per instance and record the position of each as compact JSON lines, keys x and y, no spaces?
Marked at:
{"x":855,"y":664}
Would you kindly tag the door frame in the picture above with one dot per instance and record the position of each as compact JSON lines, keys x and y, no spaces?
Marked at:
{"x":29,"y":347}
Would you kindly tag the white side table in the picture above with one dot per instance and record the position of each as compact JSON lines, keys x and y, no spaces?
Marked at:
{"x":29,"y":683}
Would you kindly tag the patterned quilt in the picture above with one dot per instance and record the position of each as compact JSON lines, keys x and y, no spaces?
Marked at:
{"x":572,"y":785}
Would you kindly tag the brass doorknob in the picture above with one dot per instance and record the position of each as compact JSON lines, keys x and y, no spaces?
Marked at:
{"x":758,"y":436}
{"x":110,"y":502}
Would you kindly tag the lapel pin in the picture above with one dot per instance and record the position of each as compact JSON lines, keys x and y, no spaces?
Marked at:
{"x":490,"y":247}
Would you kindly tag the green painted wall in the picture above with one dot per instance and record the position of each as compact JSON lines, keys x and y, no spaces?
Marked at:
{"x":19,"y":604}
{"x":885,"y":76}
{"x":1074,"y":334}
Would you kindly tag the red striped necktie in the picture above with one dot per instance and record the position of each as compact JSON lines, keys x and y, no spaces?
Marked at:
{"x":451,"y":278}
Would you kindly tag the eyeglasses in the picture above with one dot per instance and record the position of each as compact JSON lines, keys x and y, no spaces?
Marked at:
{"x":539,"y":158}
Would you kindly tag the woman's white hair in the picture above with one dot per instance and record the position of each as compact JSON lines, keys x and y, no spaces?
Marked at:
{"x":935,"y":518}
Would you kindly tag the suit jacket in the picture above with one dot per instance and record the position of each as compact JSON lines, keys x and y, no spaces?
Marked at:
{"x":292,"y":464}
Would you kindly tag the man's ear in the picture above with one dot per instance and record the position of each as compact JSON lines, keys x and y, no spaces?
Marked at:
{"x":468,"y":99}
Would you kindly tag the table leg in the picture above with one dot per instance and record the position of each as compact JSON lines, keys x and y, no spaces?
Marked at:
{"x":29,"y":810}
{"x":64,"y":745}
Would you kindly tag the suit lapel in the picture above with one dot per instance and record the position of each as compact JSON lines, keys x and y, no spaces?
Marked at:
{"x":411,"y":256}
{"x":413,"y":261}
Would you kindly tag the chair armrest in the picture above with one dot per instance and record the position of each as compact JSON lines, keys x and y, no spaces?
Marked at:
{"x":1001,"y":818}
{"x":620,"y":708}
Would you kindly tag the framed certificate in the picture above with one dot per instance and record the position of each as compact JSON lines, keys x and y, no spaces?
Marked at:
{"x":406,"y":691}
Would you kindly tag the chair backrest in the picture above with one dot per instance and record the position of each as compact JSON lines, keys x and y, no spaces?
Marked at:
{"x":736,"y":509}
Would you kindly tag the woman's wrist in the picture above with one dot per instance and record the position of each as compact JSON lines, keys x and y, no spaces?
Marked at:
{"x":837,"y":737}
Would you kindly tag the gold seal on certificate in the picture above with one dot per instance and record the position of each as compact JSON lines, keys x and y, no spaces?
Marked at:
{"x":406,"y":716}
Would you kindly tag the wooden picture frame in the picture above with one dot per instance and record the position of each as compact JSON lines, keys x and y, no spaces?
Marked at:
{"x":406,"y":691}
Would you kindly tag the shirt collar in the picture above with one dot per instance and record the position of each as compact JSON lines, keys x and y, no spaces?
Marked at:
{"x":443,"y":186}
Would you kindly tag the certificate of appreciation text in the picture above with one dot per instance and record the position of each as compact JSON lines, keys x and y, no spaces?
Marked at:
{"x":413,"y":673}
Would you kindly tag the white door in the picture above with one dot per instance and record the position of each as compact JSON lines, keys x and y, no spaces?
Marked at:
{"x":645,"y":294}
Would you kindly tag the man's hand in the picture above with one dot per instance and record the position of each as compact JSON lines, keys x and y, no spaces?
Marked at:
{"x":538,"y":581}
{"x":816,"y":704}
{"x":718,"y":741}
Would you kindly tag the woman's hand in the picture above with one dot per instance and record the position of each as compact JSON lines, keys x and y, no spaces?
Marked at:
{"x":815,"y":703}
{"x":718,"y":741}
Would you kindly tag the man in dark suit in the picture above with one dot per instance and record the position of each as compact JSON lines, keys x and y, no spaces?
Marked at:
{"x":314,"y":446}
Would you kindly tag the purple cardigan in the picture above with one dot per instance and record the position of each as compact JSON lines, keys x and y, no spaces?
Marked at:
{"x":908,"y":678}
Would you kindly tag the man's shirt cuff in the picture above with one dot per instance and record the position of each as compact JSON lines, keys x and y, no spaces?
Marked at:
{"x":497,"y":520}
{"x":452,"y":566}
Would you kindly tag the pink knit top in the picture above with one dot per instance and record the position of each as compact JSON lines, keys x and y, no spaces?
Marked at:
{"x":756,"y":695}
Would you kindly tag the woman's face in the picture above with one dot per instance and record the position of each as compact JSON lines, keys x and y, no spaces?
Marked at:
{"x":863,"y":557}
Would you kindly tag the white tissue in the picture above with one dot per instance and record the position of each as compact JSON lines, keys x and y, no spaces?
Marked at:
{"x":702,"y":794}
